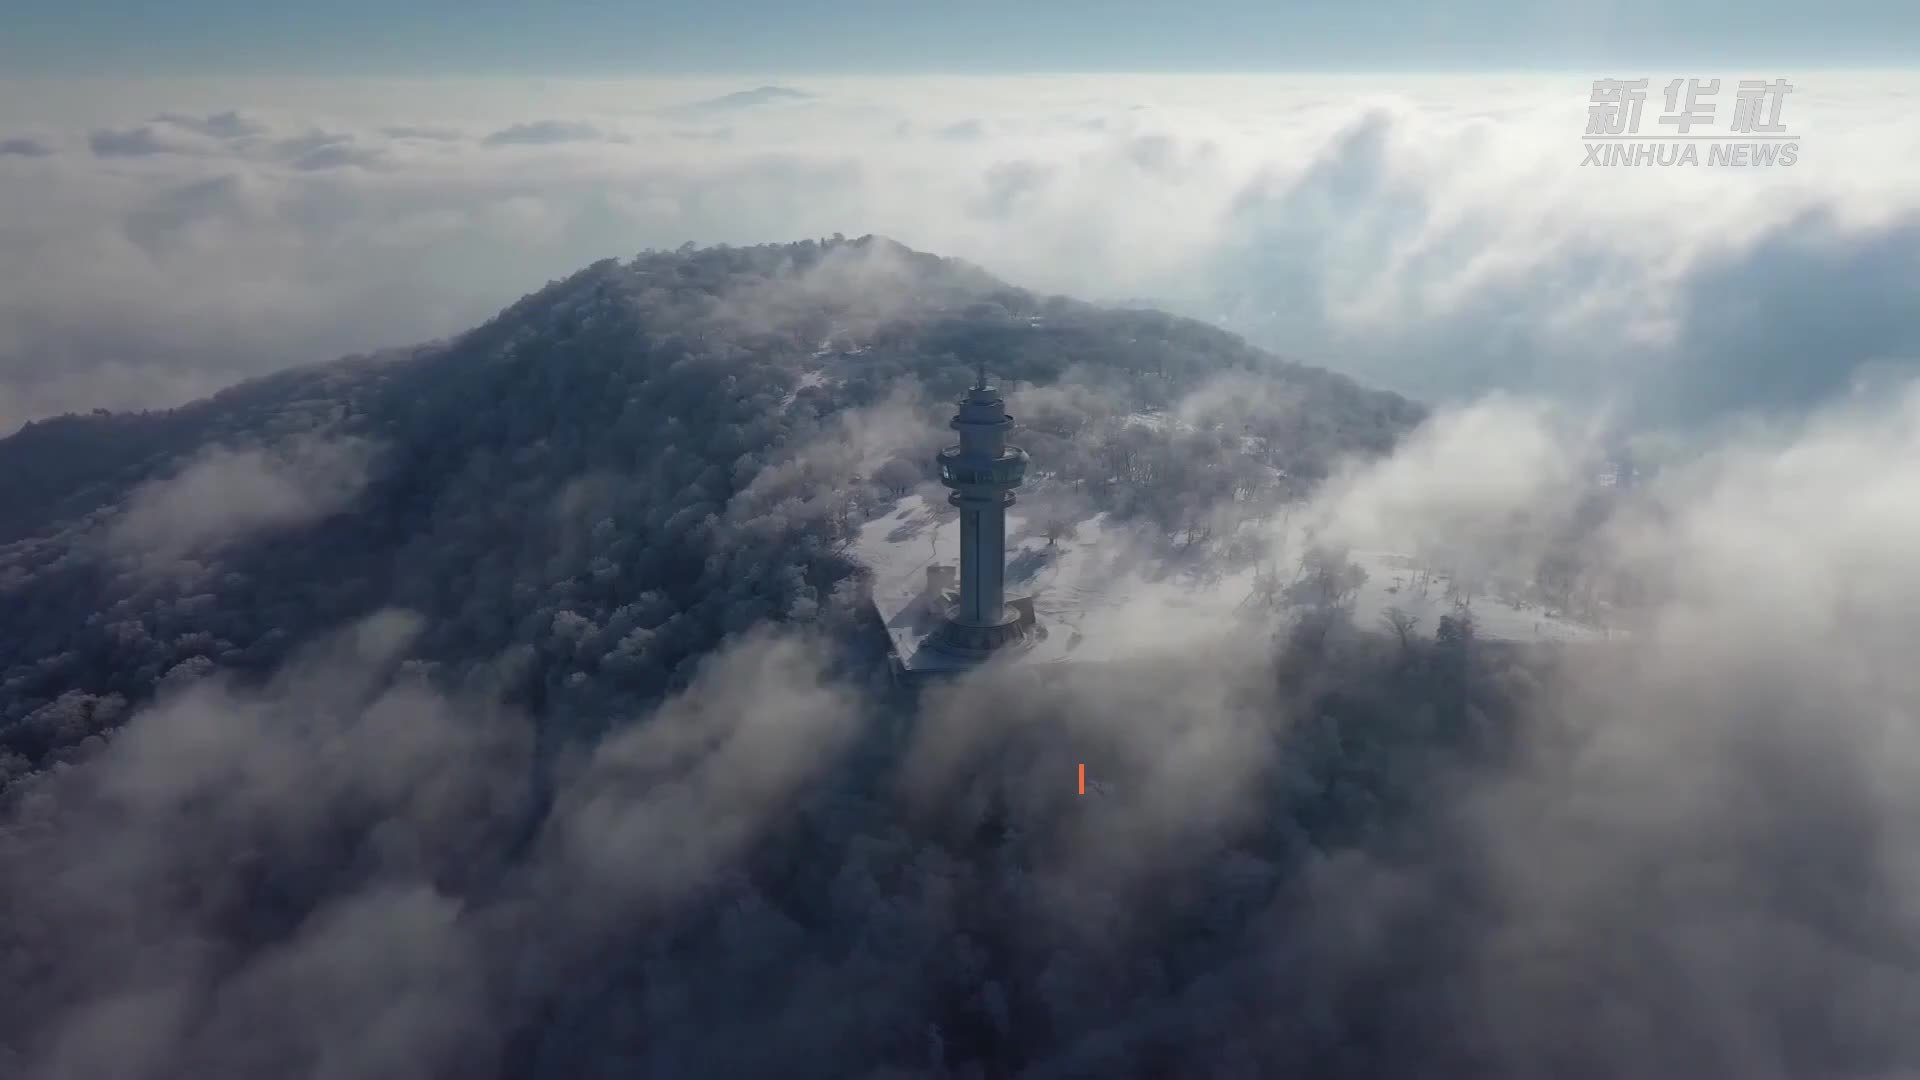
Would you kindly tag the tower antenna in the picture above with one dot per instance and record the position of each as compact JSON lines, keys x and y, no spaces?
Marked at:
{"x":982,"y":368}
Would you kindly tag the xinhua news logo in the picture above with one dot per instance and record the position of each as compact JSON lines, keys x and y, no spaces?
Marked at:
{"x":1753,"y":137}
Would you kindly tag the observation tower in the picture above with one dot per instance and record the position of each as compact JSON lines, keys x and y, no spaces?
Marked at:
{"x":980,"y":474}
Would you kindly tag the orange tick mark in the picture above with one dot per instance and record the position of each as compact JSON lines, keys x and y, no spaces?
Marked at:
{"x":1083,"y":778}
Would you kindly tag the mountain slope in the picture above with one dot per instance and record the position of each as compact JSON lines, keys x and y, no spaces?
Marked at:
{"x":588,"y":492}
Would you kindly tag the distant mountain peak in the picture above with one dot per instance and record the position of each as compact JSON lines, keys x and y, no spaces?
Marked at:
{"x":747,"y":99}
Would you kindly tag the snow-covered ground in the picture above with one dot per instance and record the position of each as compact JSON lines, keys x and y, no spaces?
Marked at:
{"x":1107,"y":590}
{"x":814,"y":377}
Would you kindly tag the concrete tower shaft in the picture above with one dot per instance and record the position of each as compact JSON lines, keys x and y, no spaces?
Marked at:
{"x":981,"y":473}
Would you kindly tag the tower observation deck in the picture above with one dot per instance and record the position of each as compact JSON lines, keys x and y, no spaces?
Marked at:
{"x":980,"y":473}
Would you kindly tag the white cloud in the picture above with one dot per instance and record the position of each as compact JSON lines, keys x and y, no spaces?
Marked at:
{"x":225,"y":494}
{"x":162,"y":830}
{"x":663,"y":807}
{"x":1487,"y":483}
{"x":1434,"y":233}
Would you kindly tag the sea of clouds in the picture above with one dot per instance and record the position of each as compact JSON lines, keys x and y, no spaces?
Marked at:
{"x":1437,"y":235}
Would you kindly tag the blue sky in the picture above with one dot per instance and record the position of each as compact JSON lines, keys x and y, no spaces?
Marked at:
{"x":753,"y":37}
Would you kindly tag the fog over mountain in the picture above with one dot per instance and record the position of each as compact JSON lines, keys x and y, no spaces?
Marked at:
{"x":503,"y":707}
{"x":1434,"y":235}
{"x":440,"y":520}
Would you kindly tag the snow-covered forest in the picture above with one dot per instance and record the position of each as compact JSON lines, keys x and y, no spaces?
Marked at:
{"x":586,"y":495}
